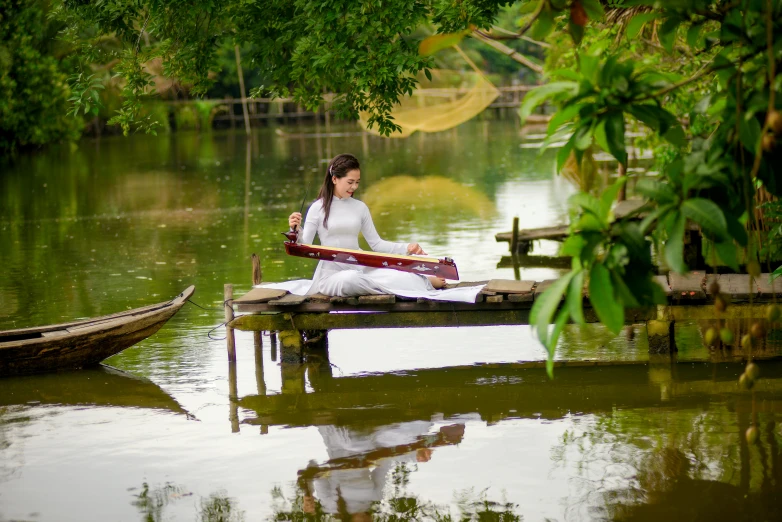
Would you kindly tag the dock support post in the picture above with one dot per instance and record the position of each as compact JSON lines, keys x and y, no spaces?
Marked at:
{"x":661,"y":338}
{"x":233,"y":397}
{"x":230,"y":340}
{"x":291,"y":345}
{"x":514,"y":237}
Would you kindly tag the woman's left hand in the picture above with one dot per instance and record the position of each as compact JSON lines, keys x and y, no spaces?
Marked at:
{"x":415,"y":249}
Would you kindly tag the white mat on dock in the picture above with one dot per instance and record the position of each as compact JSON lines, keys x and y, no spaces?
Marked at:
{"x":466,"y":294}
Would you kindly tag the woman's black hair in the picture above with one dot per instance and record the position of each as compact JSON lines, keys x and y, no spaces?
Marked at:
{"x":339,"y":168}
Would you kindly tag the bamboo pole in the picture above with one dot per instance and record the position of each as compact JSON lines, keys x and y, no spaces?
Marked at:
{"x":514,"y":238}
{"x":244,"y":93}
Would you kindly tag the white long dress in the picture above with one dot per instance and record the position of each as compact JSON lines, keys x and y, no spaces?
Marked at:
{"x":348,"y":217}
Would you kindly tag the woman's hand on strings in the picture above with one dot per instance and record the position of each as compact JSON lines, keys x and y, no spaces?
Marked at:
{"x":294,"y":220}
{"x":415,"y":249}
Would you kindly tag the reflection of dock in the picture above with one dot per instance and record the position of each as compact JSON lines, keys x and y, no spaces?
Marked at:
{"x":100,"y":386}
{"x":497,"y":392}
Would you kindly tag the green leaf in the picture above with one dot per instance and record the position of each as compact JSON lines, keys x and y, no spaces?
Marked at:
{"x":655,"y":215}
{"x":559,"y":325}
{"x":675,"y":136}
{"x":438,"y":42}
{"x":575,"y":298}
{"x":727,"y":251}
{"x":668,"y":31}
{"x":594,"y":9}
{"x":608,"y":197}
{"x":601,"y":294}
{"x":674,"y":246}
{"x":749,"y":133}
{"x":540,"y":94}
{"x":615,"y":136}
{"x":563,"y":115}
{"x":693,"y":33}
{"x":542,"y":26}
{"x":428,"y":74}
{"x":576,"y":31}
{"x":708,"y":215}
{"x":776,"y":273}
{"x":544,"y":307}
{"x":582,"y":138}
{"x":637,"y":23}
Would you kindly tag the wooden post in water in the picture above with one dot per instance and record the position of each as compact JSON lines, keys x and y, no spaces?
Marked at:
{"x":230,"y":340}
{"x":514,"y":238}
{"x":233,"y":397}
{"x":661,"y":337}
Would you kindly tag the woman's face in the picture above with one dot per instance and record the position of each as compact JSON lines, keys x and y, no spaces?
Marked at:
{"x":344,"y":187}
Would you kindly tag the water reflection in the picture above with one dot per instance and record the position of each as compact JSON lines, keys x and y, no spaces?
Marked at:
{"x":100,"y":386}
{"x":217,"y":507}
{"x":642,"y":436}
{"x":425,"y":202}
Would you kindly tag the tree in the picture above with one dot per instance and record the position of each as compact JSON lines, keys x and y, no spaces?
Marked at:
{"x":699,"y":75}
{"x":33,"y":88}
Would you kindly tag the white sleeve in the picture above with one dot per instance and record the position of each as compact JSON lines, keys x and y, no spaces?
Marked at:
{"x":311,"y":223}
{"x":373,"y":238}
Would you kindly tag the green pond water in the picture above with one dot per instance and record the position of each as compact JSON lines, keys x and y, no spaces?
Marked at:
{"x":410,"y":424}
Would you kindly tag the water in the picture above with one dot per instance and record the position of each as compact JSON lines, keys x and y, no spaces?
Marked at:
{"x":413,"y":422}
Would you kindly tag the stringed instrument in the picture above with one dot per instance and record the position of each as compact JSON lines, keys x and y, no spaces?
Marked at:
{"x":433,"y":266}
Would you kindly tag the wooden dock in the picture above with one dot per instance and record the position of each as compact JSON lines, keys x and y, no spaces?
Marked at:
{"x":305,"y":320}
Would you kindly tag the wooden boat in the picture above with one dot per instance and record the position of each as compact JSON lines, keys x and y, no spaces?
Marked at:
{"x":82,"y":343}
{"x":433,"y":266}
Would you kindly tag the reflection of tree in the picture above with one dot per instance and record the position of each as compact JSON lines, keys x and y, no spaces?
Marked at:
{"x":681,"y":464}
{"x":400,"y":505}
{"x":428,"y":202}
{"x":218,"y":507}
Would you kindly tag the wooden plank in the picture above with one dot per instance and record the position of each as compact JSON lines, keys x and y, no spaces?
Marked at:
{"x":494,"y":298}
{"x":289,"y":300}
{"x":465,"y":284}
{"x":687,"y":287}
{"x":556,"y":233}
{"x":350,"y":301}
{"x":520,"y":298}
{"x":662,"y":280}
{"x":319,"y":298}
{"x":543,"y":286}
{"x":766,"y":289}
{"x":508,"y":286}
{"x":377,"y":299}
{"x":735,"y":285}
{"x":261,"y":295}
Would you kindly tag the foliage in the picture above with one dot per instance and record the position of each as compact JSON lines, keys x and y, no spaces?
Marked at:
{"x":716,"y":165}
{"x":33,"y":89}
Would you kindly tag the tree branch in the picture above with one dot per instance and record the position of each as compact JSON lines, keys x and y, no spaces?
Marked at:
{"x":512,"y":36}
{"x":507,"y":51}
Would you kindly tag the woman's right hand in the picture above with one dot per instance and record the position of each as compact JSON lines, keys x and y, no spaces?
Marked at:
{"x":294,"y":220}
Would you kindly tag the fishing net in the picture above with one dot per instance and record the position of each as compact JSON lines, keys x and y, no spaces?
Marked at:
{"x":449,"y":99}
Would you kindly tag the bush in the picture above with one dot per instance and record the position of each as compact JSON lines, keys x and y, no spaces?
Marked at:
{"x":33,"y":90}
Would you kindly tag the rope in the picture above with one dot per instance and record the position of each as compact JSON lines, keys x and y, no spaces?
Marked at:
{"x":209,"y":333}
{"x":205,"y":308}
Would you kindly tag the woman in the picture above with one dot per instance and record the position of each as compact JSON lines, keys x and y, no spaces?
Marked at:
{"x":338,"y":218}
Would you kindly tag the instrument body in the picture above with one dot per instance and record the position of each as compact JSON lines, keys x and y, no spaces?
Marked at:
{"x":433,"y":266}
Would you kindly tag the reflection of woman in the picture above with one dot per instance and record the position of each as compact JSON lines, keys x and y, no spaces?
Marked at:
{"x":338,"y":218}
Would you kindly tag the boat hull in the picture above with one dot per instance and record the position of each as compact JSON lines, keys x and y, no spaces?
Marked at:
{"x":83,"y":343}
